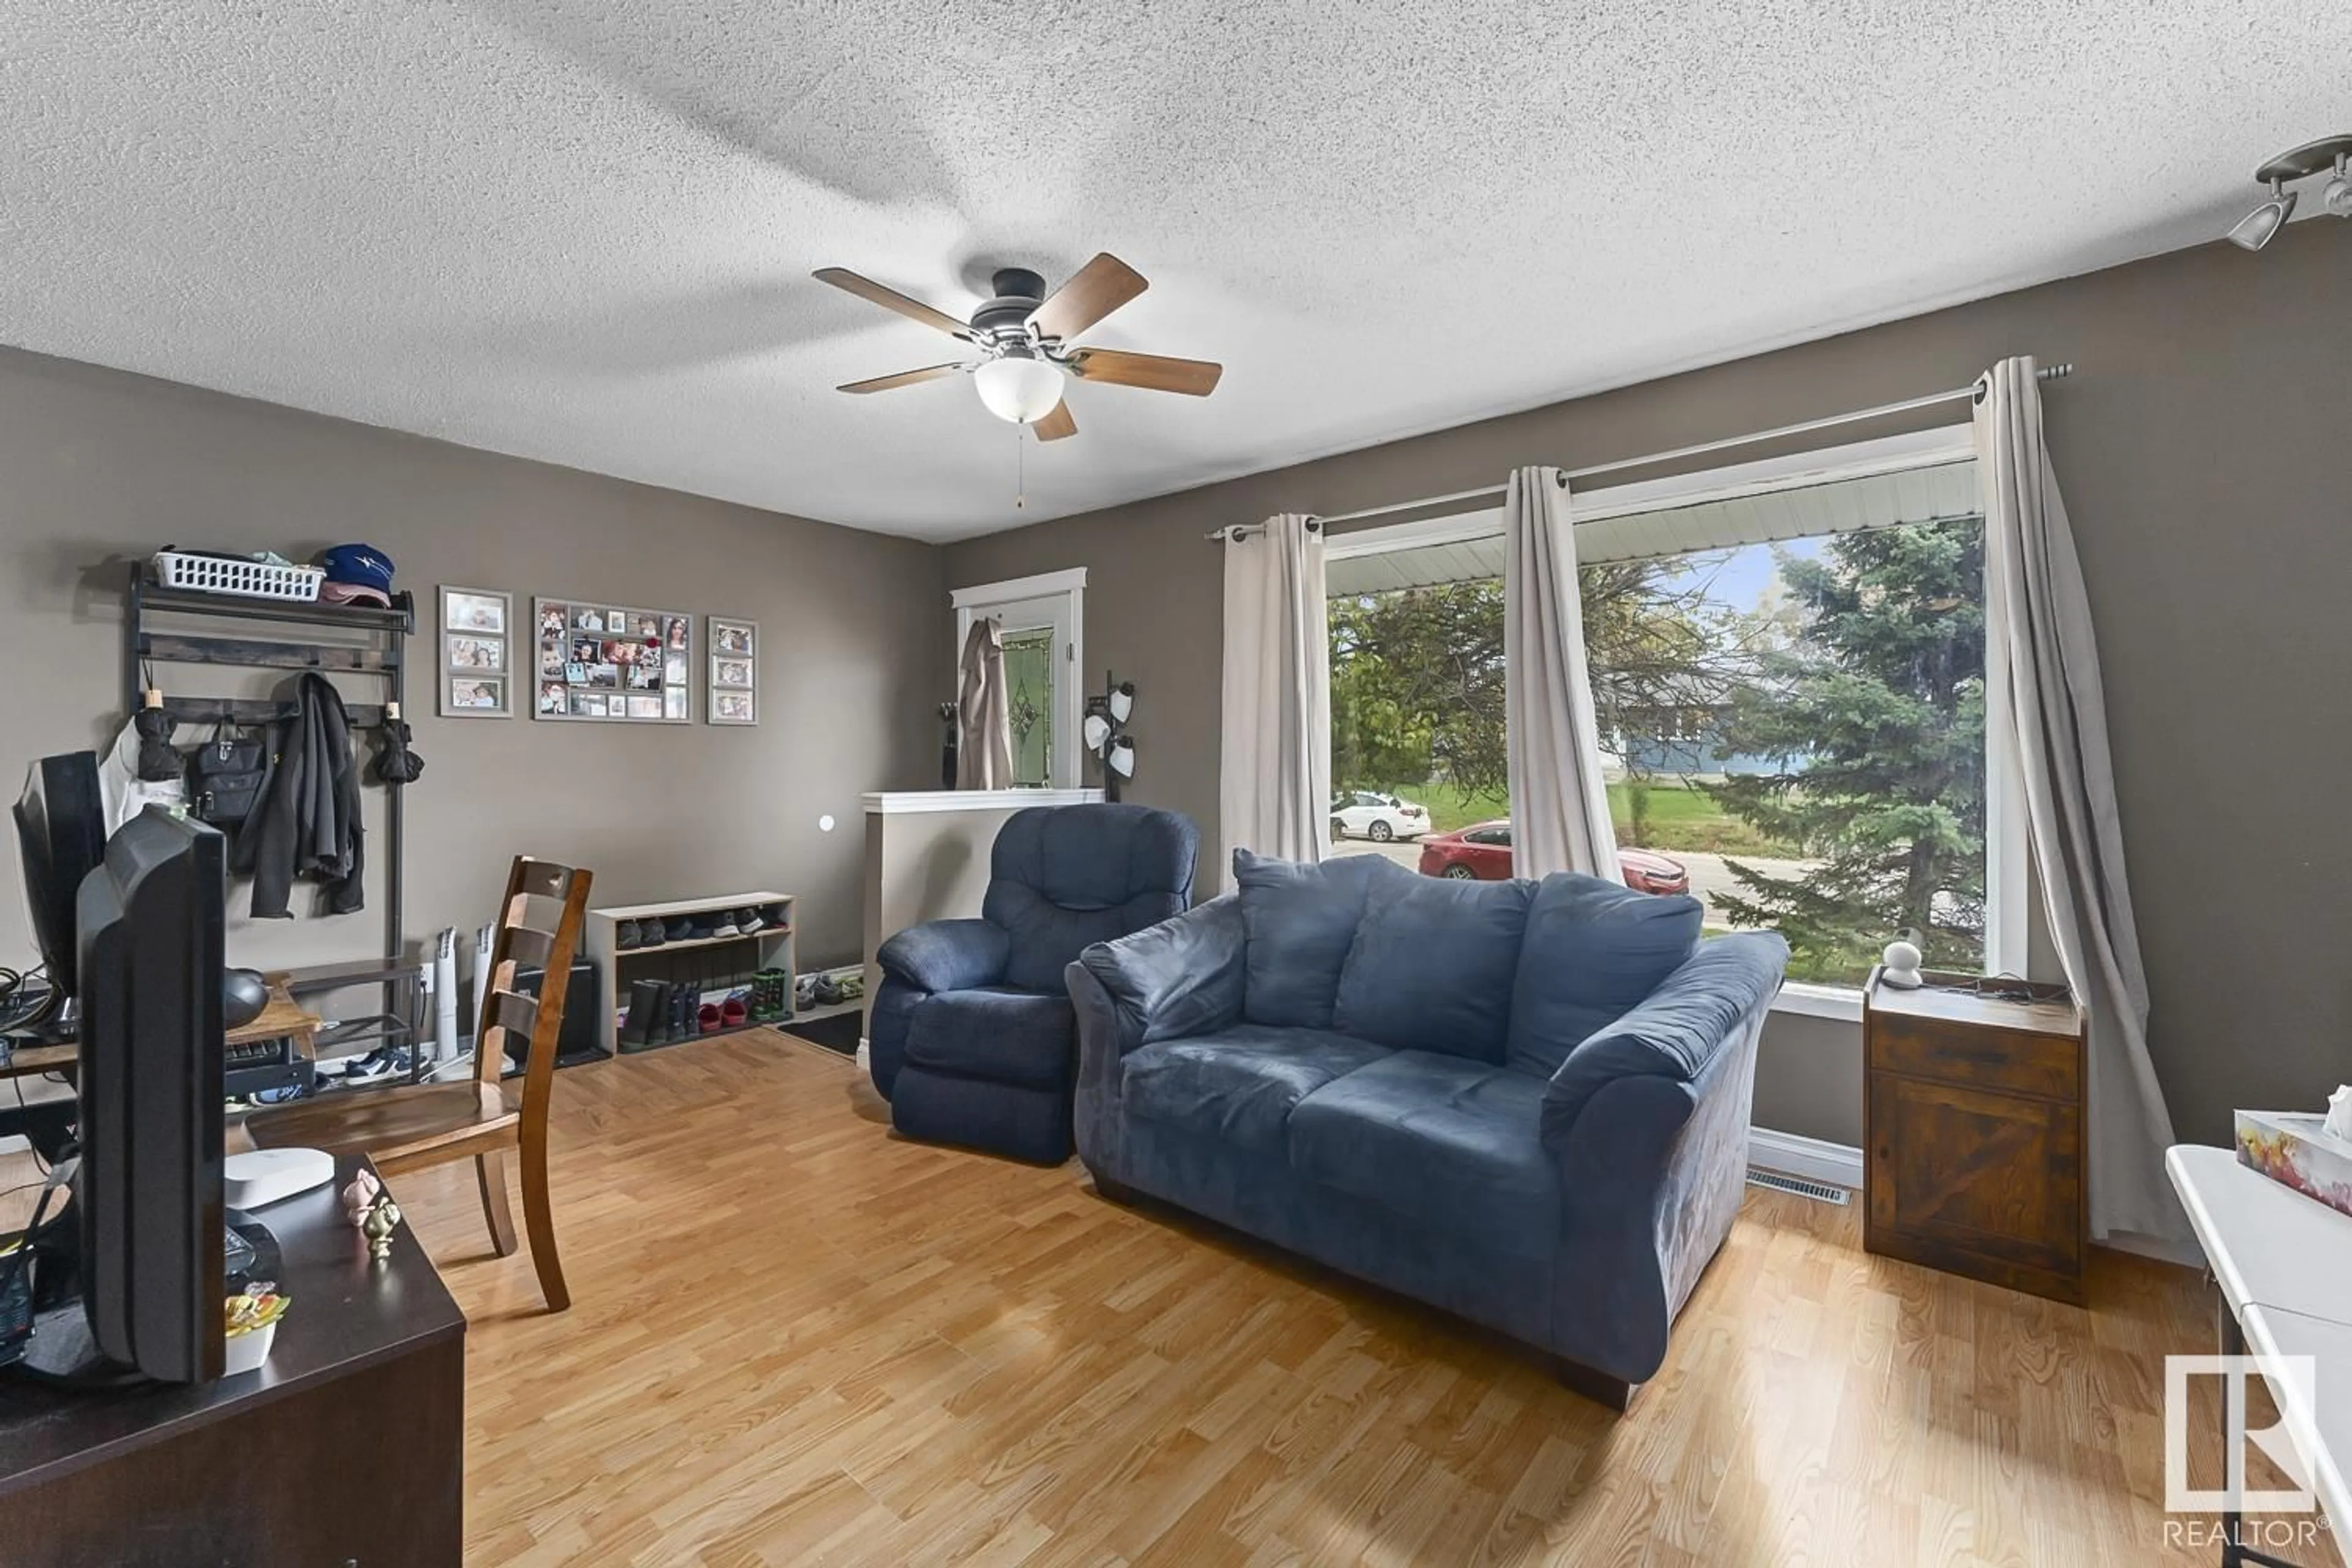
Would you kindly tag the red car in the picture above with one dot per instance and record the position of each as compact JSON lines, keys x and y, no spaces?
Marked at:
{"x":1482,"y":852}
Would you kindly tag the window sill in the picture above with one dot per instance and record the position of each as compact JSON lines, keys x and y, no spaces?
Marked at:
{"x":1842,"y":1003}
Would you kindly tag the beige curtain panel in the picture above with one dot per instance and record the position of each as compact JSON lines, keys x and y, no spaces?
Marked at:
{"x":2057,"y":729}
{"x":1274,"y":783}
{"x":983,"y":723}
{"x":1560,"y":800}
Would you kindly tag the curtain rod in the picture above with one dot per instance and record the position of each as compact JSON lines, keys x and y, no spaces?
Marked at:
{"x":1829,"y":422}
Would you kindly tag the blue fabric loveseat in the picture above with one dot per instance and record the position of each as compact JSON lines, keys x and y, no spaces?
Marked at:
{"x":1526,"y":1103}
{"x":971,"y":1038}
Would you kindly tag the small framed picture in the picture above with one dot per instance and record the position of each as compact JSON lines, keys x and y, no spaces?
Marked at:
{"x":464,"y":610}
{"x":474,"y":626}
{"x":673,"y":704}
{"x":730,"y":636}
{"x":473,"y":696}
{"x":587,"y":705}
{"x":676,"y":631}
{"x":554,"y":618}
{"x":552,"y":697}
{"x":587,"y":620}
{"x":735,"y":673}
{"x":644,"y":707}
{"x":478,"y":653}
{"x":733,"y":708}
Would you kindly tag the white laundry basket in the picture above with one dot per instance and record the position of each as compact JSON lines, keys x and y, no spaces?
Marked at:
{"x":245,"y":579}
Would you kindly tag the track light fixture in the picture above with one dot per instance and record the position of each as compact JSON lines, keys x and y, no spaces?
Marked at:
{"x":2260,"y":227}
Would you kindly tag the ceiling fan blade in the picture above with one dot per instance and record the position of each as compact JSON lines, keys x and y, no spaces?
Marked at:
{"x":890,"y":299}
{"x":1093,"y":291}
{"x":1154,"y":372}
{"x":1056,"y":424}
{"x":904,"y":378}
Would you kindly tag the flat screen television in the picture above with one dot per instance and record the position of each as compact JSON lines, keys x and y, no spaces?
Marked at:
{"x":61,"y":835}
{"x":147,"y":1212}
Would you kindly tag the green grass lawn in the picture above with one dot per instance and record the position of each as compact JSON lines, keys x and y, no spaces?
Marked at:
{"x":1680,"y":817}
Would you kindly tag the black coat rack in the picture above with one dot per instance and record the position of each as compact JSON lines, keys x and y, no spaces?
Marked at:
{"x":382,"y":657}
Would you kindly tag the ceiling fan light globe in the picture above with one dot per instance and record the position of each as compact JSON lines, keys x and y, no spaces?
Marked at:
{"x":2337,"y":198}
{"x":1018,"y":389}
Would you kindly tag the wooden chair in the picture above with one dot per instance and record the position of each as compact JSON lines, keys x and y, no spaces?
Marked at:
{"x":412,"y":1126}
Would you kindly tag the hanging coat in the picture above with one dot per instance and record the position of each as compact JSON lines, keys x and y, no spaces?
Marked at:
{"x":308,"y":824}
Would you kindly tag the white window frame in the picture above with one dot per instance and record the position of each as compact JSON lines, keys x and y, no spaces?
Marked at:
{"x":2008,"y":872}
{"x":1023,"y":597}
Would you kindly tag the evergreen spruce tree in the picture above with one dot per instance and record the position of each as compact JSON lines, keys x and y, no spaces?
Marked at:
{"x":1874,"y":710}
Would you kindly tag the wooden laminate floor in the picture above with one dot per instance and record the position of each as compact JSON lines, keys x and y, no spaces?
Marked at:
{"x":797,"y":1339}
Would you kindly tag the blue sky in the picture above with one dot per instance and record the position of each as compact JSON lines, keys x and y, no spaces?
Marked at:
{"x":1743,"y":576}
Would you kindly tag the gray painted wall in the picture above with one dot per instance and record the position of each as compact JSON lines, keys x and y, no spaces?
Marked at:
{"x":98,"y":467}
{"x":2201,"y":450}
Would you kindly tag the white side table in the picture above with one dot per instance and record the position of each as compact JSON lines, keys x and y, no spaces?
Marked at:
{"x":2283,"y":1263}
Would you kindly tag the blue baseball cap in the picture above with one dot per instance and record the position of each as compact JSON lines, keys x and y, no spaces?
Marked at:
{"x":361,"y":572}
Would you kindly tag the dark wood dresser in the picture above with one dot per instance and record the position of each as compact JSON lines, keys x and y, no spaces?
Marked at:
{"x":346,"y":1451}
{"x":1972,"y":1133}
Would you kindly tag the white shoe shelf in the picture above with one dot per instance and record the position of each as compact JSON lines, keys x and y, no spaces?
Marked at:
{"x":770,"y":947}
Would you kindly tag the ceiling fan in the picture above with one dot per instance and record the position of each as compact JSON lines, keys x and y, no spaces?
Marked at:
{"x":1023,"y":339}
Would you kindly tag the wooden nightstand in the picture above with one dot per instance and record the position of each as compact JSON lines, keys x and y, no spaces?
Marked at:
{"x":1972,"y":1133}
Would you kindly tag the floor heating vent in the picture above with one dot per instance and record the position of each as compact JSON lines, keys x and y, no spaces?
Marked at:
{"x":1820,"y":1192}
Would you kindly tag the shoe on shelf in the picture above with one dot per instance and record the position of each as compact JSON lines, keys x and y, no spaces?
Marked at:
{"x":732,"y":1013}
{"x":627,"y":936}
{"x":703,"y":927}
{"x":723,"y":924}
{"x":709,"y":1018}
{"x":827,"y":992}
{"x":748,"y":922}
{"x":650,"y":933}
{"x":679,"y":928}
{"x":772,"y":916}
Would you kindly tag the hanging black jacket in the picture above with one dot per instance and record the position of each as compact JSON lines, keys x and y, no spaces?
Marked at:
{"x":308,"y":821}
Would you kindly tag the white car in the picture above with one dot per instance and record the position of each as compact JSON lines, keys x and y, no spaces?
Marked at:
{"x":1382,"y":819}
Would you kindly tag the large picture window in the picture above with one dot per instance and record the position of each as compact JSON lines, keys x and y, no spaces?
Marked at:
{"x":1789,"y":666}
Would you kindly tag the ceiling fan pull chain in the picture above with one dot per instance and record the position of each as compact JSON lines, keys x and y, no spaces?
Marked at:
{"x":1020,"y":469}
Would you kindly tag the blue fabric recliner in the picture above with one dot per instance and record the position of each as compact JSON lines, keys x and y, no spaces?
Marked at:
{"x":973,"y":1039}
{"x":1524,"y":1102}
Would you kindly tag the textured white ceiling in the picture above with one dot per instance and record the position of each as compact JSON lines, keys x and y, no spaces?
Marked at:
{"x":584,"y":233}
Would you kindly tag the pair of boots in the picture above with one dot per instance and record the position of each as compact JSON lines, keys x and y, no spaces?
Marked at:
{"x":661,"y":1013}
{"x":772,"y":996}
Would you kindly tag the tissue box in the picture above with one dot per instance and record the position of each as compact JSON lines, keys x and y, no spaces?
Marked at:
{"x":2293,"y":1149}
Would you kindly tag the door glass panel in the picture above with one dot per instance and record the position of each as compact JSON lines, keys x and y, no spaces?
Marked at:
{"x":1029,"y":703}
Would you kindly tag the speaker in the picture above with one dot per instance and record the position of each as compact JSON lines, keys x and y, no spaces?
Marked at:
{"x":583,"y":1003}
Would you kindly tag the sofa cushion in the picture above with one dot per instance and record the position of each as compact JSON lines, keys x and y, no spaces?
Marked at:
{"x":1449,"y":1142}
{"x":1003,"y":1036}
{"x":1432,"y":964}
{"x":1593,"y":950}
{"x":1239,"y":1084}
{"x":1300,"y":920}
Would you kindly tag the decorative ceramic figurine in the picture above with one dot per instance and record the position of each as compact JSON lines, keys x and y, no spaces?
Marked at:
{"x":360,"y":1196}
{"x":379,"y":1225}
